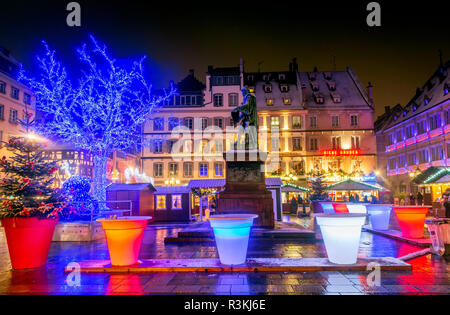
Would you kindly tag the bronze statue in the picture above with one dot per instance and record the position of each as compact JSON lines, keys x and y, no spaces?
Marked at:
{"x":247,"y":118}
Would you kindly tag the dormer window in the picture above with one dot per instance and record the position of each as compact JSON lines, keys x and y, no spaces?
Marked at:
{"x":266,"y":77}
{"x":250,"y":78}
{"x":331,"y":85}
{"x":336,"y":98}
{"x":446,"y":89}
{"x":269,"y":102}
{"x":286,"y":101}
{"x":319,"y":99}
{"x":427,"y":100}
{"x":315,"y":86}
{"x":268,"y":88}
{"x":281,"y":77}
{"x":312,"y":76}
{"x":284,"y":88}
{"x":327,"y":75}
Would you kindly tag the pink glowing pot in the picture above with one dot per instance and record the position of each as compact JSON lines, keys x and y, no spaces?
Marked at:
{"x":124,"y":237}
{"x":411,"y":220}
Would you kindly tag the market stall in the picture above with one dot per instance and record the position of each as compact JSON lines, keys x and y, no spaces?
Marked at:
{"x":354,"y":191}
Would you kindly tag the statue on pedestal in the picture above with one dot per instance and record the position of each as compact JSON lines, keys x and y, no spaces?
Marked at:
{"x":246,"y":116}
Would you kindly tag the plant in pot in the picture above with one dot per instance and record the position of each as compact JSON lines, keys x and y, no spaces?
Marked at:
{"x":29,"y":206}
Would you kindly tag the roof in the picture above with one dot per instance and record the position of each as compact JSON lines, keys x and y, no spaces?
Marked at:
{"x":293,"y":188}
{"x":190,"y":84}
{"x":351,"y":185}
{"x":432,"y":92}
{"x":173,"y":190}
{"x":224,"y":71}
{"x":432,"y":175}
{"x":131,"y":187}
{"x":218,"y":183}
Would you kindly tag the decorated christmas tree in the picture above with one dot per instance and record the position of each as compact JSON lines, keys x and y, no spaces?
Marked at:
{"x":26,"y":185}
{"x":319,"y":189}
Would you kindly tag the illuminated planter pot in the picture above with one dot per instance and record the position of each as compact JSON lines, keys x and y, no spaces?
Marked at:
{"x":232,"y":233}
{"x":327,"y":207}
{"x":411,"y":220}
{"x":340,"y":208}
{"x":380,"y":216}
{"x":341,"y":233}
{"x":124,"y":237}
{"x":358,"y":208}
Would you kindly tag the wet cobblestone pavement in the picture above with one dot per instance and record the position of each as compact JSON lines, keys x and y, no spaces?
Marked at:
{"x":430,"y":273}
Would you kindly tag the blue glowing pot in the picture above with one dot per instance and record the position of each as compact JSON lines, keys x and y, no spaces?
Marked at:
{"x":380,"y":216}
{"x":232,"y":233}
{"x":327,"y":207}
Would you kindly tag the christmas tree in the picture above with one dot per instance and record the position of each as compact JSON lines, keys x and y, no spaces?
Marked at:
{"x":319,"y":189}
{"x":27,"y":178}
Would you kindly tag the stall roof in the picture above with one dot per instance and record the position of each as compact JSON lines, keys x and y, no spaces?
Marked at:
{"x":173,"y":190}
{"x":432,"y":175}
{"x":217,"y":183}
{"x":293,"y":188}
{"x":351,"y":185}
{"x":130,"y":187}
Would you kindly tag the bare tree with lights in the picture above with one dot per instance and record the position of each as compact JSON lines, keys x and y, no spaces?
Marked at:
{"x":102,"y":112}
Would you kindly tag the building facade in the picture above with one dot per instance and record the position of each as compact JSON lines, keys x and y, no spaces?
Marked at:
{"x":415,"y":138}
{"x":309,"y":122}
{"x":15,"y":99}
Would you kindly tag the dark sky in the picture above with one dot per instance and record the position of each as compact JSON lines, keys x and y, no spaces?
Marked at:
{"x":397,"y":57}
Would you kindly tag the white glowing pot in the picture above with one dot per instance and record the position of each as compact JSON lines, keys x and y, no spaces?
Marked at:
{"x":358,"y":208}
{"x":341,"y":233}
{"x":232,"y":233}
{"x":327,"y":207}
{"x":380,"y":216}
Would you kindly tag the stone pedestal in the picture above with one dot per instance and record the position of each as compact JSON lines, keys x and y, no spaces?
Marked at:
{"x":245,"y":190}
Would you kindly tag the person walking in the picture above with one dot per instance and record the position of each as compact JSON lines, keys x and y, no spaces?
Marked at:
{"x":412,"y":200}
{"x":419,"y":199}
{"x":294,"y":205}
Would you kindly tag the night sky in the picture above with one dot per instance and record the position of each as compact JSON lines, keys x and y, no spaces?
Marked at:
{"x":397,"y":58}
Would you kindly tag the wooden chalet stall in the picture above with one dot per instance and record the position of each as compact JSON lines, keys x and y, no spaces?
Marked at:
{"x":172,"y":204}
{"x":139,"y":197}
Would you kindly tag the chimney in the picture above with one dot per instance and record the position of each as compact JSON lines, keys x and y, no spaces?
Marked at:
{"x":210,"y":69}
{"x":295,"y":65}
{"x":241,"y":65}
{"x":387,"y":109}
{"x":370,"y":93}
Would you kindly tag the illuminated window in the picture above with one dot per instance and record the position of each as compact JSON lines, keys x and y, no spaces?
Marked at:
{"x":177,"y":203}
{"x":297,"y":122}
{"x":287,"y":101}
{"x":161,"y":203}
{"x":275,"y":121}
{"x":355,"y":142}
{"x":187,"y":146}
{"x":269,"y":102}
{"x":336,"y":143}
{"x":297,"y":144}
{"x":203,"y":169}
{"x":173,"y":170}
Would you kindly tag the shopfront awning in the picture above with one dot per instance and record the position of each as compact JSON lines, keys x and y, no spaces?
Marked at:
{"x":351,"y":185}
{"x":433,"y":175}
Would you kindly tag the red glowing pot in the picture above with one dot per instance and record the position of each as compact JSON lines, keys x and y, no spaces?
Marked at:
{"x":124,"y":237}
{"x":340,"y":208}
{"x":411,"y":220}
{"x":29,"y":241}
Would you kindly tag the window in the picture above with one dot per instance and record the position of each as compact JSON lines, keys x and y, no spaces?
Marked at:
{"x":297,"y":144}
{"x":399,"y":135}
{"x":354,"y":120}
{"x":187,"y":146}
{"x":390,"y":139}
{"x":284,"y":88}
{"x":13,"y":116}
{"x":26,"y":99}
{"x":218,"y":169}
{"x":188,"y":123}
{"x":275,"y":121}
{"x":158,"y":170}
{"x":269,"y":102}
{"x":204,"y":123}
{"x":412,"y":159}
{"x":392,"y":164}
{"x":275,"y":144}
{"x":233,"y":99}
{"x":157,"y":146}
{"x":435,"y":121}
{"x":2,"y":112}
{"x":158,"y":124}
{"x":203,"y":169}
{"x":218,"y":100}
{"x":188,"y":170}
{"x":409,"y":131}
{"x":268,"y":88}
{"x":173,"y":123}
{"x":2,"y":87}
{"x":177,"y":203}
{"x":421,"y":127}
{"x":401,"y":161}
{"x":437,"y":153}
{"x":314,"y":144}
{"x":286,"y":101}
{"x":423,"y":156}
{"x":313,"y":122}
{"x":337,"y":99}
{"x":355,"y":142}
{"x":336,"y":143}
{"x":173,"y":170}
{"x":297,"y":122}
{"x":335,"y":121}
{"x":218,"y":122}
{"x":15,"y":93}
{"x":218,"y":146}
{"x":161,"y":203}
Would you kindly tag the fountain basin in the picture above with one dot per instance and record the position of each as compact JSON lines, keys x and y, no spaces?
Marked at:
{"x":124,"y":237}
{"x":380,"y":216}
{"x":411,"y":220}
{"x":232,"y":233}
{"x":341,"y":233}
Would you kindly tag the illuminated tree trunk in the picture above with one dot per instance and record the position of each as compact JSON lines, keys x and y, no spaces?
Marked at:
{"x":100,"y":181}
